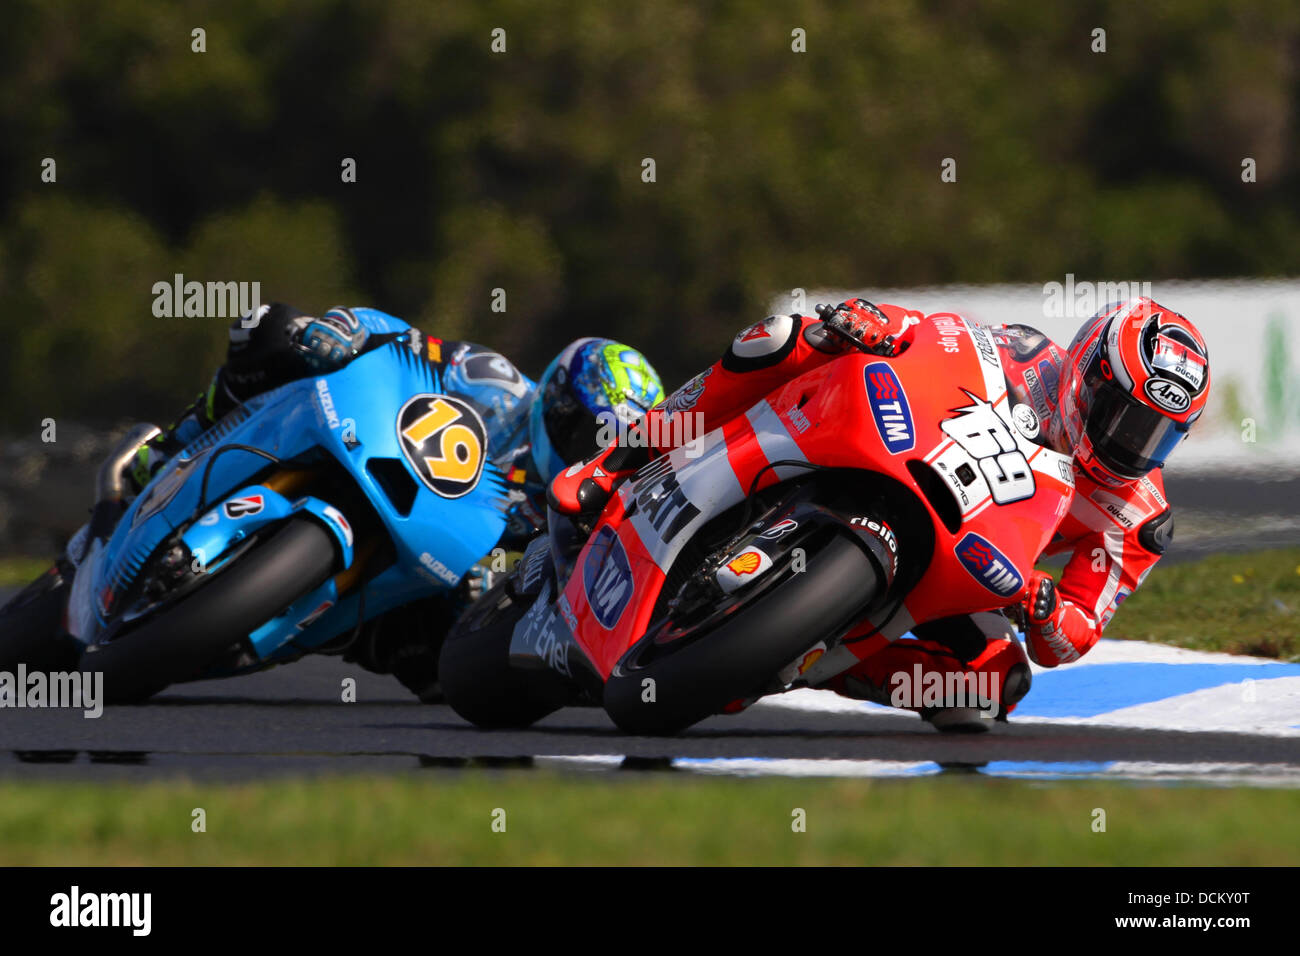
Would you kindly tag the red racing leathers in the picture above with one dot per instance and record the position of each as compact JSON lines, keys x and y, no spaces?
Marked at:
{"x":1114,"y":535}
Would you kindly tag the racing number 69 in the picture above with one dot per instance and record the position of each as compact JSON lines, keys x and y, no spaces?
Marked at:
{"x":1009,"y":477}
{"x":986,"y":438}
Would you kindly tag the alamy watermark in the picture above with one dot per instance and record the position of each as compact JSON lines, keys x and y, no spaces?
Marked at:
{"x":675,"y":430}
{"x":205,"y":300}
{"x":75,"y":908}
{"x":1080,"y":300}
{"x":75,"y":690}
{"x":980,"y":691}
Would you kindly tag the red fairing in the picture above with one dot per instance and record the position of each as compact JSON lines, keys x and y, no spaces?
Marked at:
{"x":880,"y":677}
{"x":783,"y":392}
{"x":1103,"y":528}
{"x":974,"y":407}
{"x":763,"y":357}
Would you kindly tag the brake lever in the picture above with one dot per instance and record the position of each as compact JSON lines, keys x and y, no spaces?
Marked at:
{"x":829,"y":315}
{"x":1016,"y":614}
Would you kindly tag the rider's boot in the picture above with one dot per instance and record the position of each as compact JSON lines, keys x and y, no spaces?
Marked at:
{"x":944,"y":719}
{"x":1007,"y":667}
{"x":908,"y":666}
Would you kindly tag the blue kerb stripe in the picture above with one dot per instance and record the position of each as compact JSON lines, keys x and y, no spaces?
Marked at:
{"x":924,"y":767}
{"x":1044,"y":768}
{"x":1088,"y":691}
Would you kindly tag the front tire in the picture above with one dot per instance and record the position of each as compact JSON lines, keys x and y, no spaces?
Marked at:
{"x":739,"y":657}
{"x":477,"y":680}
{"x":179,"y":642}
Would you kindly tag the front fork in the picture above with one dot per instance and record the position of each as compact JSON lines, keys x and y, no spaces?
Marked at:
{"x":210,"y":541}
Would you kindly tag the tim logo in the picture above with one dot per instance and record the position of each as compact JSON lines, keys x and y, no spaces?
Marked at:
{"x":989,"y":566}
{"x":889,"y":406}
{"x":607,"y":578}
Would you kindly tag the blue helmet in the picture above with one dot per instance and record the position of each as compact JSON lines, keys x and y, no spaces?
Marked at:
{"x":592,"y":377}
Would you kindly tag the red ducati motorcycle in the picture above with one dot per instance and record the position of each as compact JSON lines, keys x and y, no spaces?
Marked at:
{"x":854,"y":501}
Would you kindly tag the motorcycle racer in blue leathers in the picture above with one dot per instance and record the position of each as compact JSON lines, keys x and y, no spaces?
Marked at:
{"x":534,"y":430}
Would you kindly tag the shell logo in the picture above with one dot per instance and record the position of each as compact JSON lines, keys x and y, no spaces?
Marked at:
{"x":809,"y":659}
{"x":746,"y":563}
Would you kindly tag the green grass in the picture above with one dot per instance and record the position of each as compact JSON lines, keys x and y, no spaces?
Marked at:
{"x":447,"y":819}
{"x":1238,"y":603}
{"x":17,"y":572}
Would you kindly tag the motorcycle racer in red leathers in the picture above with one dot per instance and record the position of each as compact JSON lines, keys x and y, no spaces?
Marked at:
{"x":1119,"y":399}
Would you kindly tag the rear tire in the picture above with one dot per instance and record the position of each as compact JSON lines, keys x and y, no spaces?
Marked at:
{"x":178,"y":643}
{"x":474,"y":668}
{"x":31,"y":626}
{"x":739,"y":658}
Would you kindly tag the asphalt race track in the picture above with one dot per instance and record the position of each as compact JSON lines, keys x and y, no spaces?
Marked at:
{"x":292,"y":720}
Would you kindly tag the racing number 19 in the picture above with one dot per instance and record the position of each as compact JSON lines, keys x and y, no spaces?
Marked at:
{"x":459,"y":449}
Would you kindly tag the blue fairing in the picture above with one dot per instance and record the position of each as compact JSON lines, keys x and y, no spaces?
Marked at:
{"x":352,"y":416}
{"x":502,"y":394}
{"x":379,"y":322}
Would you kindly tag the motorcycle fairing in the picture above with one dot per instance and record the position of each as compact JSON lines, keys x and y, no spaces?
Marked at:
{"x":351,"y":415}
{"x":662,"y":506}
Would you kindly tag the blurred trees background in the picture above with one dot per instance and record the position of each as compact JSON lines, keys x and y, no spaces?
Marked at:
{"x":523,"y":169}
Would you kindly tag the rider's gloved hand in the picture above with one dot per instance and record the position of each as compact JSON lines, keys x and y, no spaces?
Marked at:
{"x":1056,"y":632}
{"x":1040,"y":599}
{"x":867,"y":326}
{"x":332,"y":340}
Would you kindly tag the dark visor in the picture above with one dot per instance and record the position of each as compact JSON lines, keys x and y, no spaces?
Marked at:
{"x":1129,"y":438}
{"x":571,"y":427}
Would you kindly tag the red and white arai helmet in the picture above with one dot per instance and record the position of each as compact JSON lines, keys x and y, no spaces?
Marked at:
{"x":1135,"y":379}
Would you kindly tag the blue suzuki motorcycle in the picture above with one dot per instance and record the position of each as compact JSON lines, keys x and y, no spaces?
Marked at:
{"x":302,"y":514}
